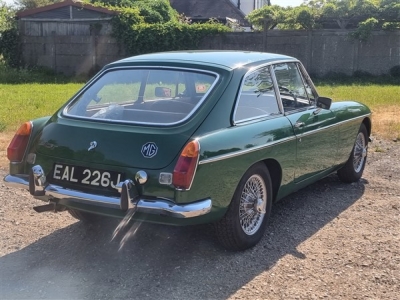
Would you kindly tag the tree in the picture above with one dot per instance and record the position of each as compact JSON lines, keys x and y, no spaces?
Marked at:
{"x":390,"y":10}
{"x":27,"y":4}
{"x":6,"y":17}
{"x":159,"y":11}
{"x":153,"y":11}
{"x":9,"y":49}
{"x":307,"y":17}
{"x":267,"y":16}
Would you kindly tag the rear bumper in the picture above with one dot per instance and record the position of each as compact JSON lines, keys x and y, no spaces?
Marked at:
{"x":156,"y":206}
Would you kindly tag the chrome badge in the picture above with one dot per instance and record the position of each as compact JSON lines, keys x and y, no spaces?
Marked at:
{"x":149,"y":150}
{"x":92,"y":145}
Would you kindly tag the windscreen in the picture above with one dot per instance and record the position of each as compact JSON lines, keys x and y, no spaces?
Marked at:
{"x":150,"y":96}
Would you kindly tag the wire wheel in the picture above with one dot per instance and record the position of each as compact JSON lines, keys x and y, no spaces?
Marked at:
{"x":252,"y":206}
{"x":360,"y":152}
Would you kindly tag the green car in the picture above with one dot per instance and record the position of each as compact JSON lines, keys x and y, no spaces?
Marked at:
{"x":190,"y":137}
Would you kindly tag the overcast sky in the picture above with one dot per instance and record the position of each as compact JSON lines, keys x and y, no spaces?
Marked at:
{"x":276,"y":2}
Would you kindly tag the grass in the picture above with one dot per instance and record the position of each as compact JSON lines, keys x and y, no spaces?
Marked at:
{"x":383,"y":100}
{"x":28,"y":94}
{"x":23,"y":102}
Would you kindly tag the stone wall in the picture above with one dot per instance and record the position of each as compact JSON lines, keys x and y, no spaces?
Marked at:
{"x":72,"y":48}
{"x":81,"y":50}
{"x":321,"y":51}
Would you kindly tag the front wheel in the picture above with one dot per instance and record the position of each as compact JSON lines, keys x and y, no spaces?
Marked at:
{"x":354,"y":167}
{"x":244,"y":223}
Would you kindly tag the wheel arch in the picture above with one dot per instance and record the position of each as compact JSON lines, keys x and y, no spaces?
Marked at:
{"x":368,"y":125}
{"x":275,"y":172}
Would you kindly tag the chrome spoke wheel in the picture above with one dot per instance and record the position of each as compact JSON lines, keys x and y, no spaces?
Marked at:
{"x":252,"y":207}
{"x":360,"y":152}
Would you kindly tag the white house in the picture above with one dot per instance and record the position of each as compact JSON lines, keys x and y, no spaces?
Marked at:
{"x":248,"y":6}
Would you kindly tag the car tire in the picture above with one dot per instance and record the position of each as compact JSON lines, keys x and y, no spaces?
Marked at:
{"x":244,"y":223}
{"x":354,"y":167}
{"x":85,"y":216}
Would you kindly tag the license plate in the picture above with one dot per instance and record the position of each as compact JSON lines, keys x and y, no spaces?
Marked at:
{"x":93,"y":178}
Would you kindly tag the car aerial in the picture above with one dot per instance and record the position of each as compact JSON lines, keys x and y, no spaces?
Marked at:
{"x":190,"y":137}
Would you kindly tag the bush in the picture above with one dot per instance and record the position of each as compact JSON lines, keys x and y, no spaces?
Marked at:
{"x":395,"y":71}
{"x":362,"y":74}
{"x":391,"y":26}
{"x":364,"y":30}
{"x":9,"y":48}
{"x":139,"y":36}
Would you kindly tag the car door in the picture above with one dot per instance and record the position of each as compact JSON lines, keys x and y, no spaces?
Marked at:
{"x":316,"y":138}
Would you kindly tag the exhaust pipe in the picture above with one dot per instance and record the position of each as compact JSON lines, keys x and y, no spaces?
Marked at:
{"x":49,"y":207}
{"x":43,"y":208}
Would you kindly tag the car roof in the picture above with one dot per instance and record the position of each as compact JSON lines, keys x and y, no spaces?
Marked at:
{"x":228,"y":59}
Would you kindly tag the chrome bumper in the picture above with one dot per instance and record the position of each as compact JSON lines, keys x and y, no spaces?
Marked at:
{"x":159,"y":206}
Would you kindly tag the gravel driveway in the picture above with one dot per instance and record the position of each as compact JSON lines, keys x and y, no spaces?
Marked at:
{"x":330,"y":240}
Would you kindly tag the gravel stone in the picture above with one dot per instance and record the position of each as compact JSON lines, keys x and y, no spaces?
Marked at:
{"x":328,"y":241}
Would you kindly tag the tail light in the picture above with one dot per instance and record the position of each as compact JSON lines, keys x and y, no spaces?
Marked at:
{"x":186,"y":166}
{"x":17,"y":147}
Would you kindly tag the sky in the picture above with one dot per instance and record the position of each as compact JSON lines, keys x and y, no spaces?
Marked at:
{"x":283,"y":3}
{"x":8,"y":1}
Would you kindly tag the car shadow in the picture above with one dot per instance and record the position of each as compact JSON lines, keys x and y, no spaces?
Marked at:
{"x":163,"y":262}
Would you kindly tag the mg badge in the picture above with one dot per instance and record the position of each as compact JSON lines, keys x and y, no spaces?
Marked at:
{"x":149,"y":150}
{"x":92,"y":145}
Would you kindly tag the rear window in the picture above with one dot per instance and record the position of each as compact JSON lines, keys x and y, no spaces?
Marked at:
{"x":149,"y":96}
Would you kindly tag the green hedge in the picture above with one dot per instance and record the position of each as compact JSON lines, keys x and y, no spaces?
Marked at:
{"x":146,"y":38}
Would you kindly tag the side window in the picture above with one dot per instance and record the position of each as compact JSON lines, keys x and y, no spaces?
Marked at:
{"x":294,"y":94}
{"x":257,"y":96}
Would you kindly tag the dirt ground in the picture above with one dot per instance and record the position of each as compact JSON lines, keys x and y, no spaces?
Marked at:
{"x":328,"y":241}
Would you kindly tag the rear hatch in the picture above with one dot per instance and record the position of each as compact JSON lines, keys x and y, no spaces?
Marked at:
{"x":111,"y":144}
{"x":137,"y":117}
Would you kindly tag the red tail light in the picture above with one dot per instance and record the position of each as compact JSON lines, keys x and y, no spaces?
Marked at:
{"x":17,"y":147}
{"x":186,"y":166}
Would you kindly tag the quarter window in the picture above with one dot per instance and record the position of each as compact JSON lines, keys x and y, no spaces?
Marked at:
{"x":257,"y":96}
{"x":294,"y":94}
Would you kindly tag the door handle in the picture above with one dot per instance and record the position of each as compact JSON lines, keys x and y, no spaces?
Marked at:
{"x":299,"y":124}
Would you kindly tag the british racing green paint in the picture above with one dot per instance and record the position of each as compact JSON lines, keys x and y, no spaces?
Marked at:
{"x":306,"y":145}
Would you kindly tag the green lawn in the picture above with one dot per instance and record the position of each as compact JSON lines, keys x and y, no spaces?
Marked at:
{"x":371,"y":95}
{"x":22,"y":102}
{"x":383,"y":100}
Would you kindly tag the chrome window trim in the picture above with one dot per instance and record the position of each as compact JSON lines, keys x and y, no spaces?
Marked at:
{"x":276,"y":88}
{"x":268,"y":64}
{"x":64,"y":112}
{"x":304,"y":72}
{"x":303,"y":80}
{"x":272,"y":143}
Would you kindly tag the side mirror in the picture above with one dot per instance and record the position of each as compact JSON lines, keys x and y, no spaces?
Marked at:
{"x":324,"y":102}
{"x":162,"y":92}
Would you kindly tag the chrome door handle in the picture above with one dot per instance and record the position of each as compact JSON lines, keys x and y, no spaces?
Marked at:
{"x":299,"y":124}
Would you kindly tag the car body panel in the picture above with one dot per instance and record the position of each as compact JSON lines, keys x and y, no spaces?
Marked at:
{"x":316,"y":140}
{"x":302,"y":145}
